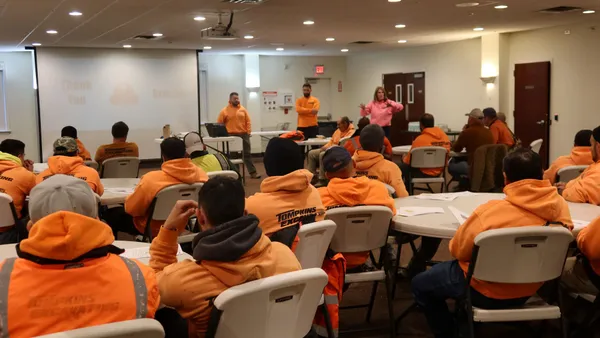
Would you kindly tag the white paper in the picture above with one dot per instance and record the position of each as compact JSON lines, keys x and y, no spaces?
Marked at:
{"x":144,"y":252}
{"x":460,"y":216}
{"x":417,"y":211}
{"x":125,"y":191}
{"x":579,"y":225}
{"x":451,"y":196}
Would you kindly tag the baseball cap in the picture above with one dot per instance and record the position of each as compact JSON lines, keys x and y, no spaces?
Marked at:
{"x":282,"y":156}
{"x":62,"y":193}
{"x":489,"y":112}
{"x":193,"y":142}
{"x":65,"y":145}
{"x":335,"y":159}
{"x":475,"y":113}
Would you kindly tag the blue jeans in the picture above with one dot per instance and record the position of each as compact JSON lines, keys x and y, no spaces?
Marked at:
{"x":459,"y":171}
{"x":445,"y":281}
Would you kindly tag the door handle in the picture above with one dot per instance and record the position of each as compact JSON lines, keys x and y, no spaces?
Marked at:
{"x":541,"y":122}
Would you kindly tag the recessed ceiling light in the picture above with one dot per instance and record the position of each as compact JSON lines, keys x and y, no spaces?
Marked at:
{"x":400,"y":26}
{"x":501,"y":7}
{"x":248,"y":37}
{"x":36,"y":44}
{"x":402,"y":41}
{"x":75,"y":13}
{"x":589,"y":11}
{"x":279,"y":49}
{"x":344,"y":50}
{"x":309,"y":22}
{"x":330,"y":39}
{"x":126,"y":46}
{"x":158,"y":35}
{"x":394,"y":0}
{"x":478,"y":29}
{"x":52,"y":31}
{"x":199,"y":18}
{"x":467,"y":4}
{"x":207,"y":47}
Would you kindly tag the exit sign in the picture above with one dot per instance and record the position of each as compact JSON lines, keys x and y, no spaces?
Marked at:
{"x":319,"y":70}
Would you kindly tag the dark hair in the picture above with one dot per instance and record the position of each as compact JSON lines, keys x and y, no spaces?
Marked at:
{"x":596,"y":134}
{"x":13,"y":147}
{"x":427,"y":121}
{"x":120,"y":130}
{"x":377,"y":90}
{"x":522,"y":164}
{"x":583,"y":137}
{"x":490,"y":112}
{"x":172,"y":148}
{"x":363,"y":122}
{"x":222,"y":199}
{"x":232,"y":94}
{"x":371,"y":138}
{"x":307,"y":85}
{"x":69,"y":131}
{"x":345,"y":120}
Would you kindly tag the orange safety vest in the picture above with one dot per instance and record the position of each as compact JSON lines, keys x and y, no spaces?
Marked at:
{"x":29,"y":308}
{"x":335,"y":268}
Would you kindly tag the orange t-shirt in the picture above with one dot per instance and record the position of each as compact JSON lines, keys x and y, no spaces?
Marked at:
{"x":120,"y":149}
{"x":304,"y":107}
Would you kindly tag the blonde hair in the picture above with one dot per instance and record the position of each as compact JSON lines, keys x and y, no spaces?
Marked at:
{"x":376,"y":90}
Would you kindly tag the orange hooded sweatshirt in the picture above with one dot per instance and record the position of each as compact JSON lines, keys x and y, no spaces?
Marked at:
{"x":579,"y":156}
{"x":16,"y":181}
{"x":501,"y":133}
{"x":588,"y":242}
{"x":236,"y":119}
{"x":226,"y":255}
{"x":351,"y":192}
{"x":304,"y":107}
{"x":83,"y":153}
{"x":172,"y":172}
{"x":586,"y":187}
{"x":527,"y":203}
{"x":72,"y":166}
{"x":430,"y":137}
{"x":53,"y":289}
{"x":286,"y":201}
{"x":338,"y":136}
{"x":378,"y":168}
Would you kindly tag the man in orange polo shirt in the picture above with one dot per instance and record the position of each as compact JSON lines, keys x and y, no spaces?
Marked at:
{"x":586,"y":187}
{"x":581,"y":154}
{"x":530,"y":201}
{"x":237,"y":121}
{"x":315,"y":156}
{"x":500,"y":131}
{"x":307,"y":108}
{"x":120,"y":147}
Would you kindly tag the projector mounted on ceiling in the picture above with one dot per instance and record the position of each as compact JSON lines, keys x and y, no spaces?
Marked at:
{"x":220,"y":31}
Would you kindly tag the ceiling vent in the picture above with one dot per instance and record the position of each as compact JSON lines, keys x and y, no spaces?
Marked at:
{"x":146,"y":37}
{"x":561,"y":9}
{"x":244,"y":2}
{"x":362,"y":42}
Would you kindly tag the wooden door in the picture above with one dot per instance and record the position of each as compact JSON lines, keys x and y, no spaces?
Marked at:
{"x":415,"y":96}
{"x":532,"y":105}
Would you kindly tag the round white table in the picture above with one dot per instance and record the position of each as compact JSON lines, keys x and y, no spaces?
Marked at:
{"x":116,"y":190}
{"x":314,"y":142}
{"x":401,"y":150}
{"x":445,"y":225}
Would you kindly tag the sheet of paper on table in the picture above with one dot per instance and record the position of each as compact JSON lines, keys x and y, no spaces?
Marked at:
{"x":460,"y":216}
{"x":126,"y":191}
{"x":579,"y":225}
{"x":417,"y":211}
{"x":450,"y":196}
{"x":144,"y":252}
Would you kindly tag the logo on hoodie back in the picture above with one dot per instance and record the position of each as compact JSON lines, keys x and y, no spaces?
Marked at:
{"x":293,"y":217}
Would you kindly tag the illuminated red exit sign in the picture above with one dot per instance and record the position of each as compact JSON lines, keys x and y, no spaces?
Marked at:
{"x":319,"y":70}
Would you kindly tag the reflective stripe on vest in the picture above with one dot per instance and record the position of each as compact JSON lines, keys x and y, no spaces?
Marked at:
{"x":139,"y":288}
{"x":5,"y":273}
{"x":354,"y":144}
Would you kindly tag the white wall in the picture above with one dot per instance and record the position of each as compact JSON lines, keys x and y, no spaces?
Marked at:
{"x":225,"y":75}
{"x":452,"y":77}
{"x":21,"y":101}
{"x":575,"y":72}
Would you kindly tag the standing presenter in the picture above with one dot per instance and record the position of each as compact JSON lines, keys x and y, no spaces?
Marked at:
{"x":381,"y":110}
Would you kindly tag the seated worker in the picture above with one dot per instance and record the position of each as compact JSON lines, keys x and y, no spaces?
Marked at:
{"x":473,"y":136}
{"x":176,"y":169}
{"x":70,"y":131}
{"x":586,"y":187}
{"x":431,"y":136}
{"x":530,"y":201}
{"x":68,"y":275}
{"x":501,"y":117}
{"x":66,"y":161}
{"x":315,"y":156}
{"x":16,"y":179}
{"x":500,"y":131}
{"x":577,"y":277}
{"x":120,"y":147}
{"x":286,"y":199}
{"x":581,"y":154}
{"x":370,"y":162}
{"x":353,"y":144}
{"x":230,"y":250}
{"x":347,"y":190}
{"x":196,"y":150}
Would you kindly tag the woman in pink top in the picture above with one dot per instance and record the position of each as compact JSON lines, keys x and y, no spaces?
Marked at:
{"x":381,"y":110}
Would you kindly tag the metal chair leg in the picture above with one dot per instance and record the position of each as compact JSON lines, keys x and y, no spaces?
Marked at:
{"x":372,"y":301}
{"x":395,"y":268}
{"x":389,"y":281}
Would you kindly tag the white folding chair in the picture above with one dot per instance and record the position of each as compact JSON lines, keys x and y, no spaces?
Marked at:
{"x":536,"y":145}
{"x":390,"y":190}
{"x":226,"y":173}
{"x":314,"y":240}
{"x":569,"y":173}
{"x":8,"y":213}
{"x":121,"y":167}
{"x":531,"y":254}
{"x":164,"y":202}
{"x":274,"y":307}
{"x":137,"y":328}
{"x":360,"y":229}
{"x":428,"y":158}
{"x":91,"y":164}
{"x":238,"y":146}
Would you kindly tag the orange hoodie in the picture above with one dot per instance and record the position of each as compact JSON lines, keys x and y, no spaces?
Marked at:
{"x":352,"y":192}
{"x":501,"y":134}
{"x":378,"y":168}
{"x":430,"y":137}
{"x":304,"y":107}
{"x":338,"y":136}
{"x":286,"y":201}
{"x":586,"y":187}
{"x":16,"y":181}
{"x":527,"y":203}
{"x":46,"y":296}
{"x":83,"y":153}
{"x":234,"y":253}
{"x":588,"y":242}
{"x":172,"y":172}
{"x":236,"y":119}
{"x":72,"y":166}
{"x":578,"y":156}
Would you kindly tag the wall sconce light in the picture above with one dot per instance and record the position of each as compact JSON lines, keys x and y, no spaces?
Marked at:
{"x":488,"y":79}
{"x":253,"y":89}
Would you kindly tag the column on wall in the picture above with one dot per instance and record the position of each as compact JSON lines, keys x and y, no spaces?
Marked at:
{"x":490,"y":70}
{"x":252,"y":76}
